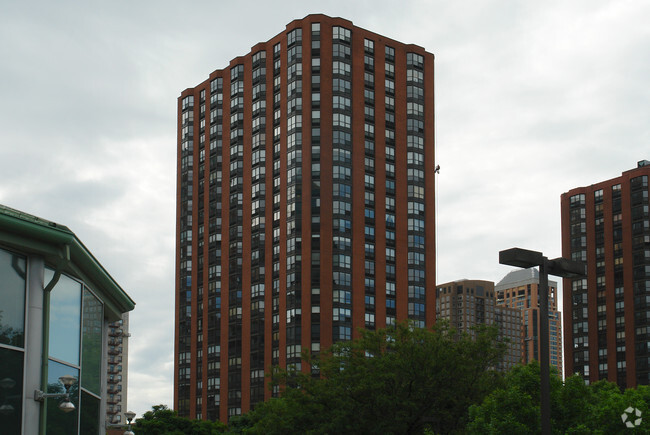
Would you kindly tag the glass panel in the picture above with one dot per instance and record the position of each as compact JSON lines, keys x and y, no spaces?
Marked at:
{"x":65,"y":318}
{"x":11,"y":391}
{"x":12,"y":299}
{"x":89,"y":414}
{"x":91,"y":354}
{"x":59,"y":422}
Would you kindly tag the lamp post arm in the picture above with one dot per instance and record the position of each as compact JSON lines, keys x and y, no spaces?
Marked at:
{"x":40,"y":396}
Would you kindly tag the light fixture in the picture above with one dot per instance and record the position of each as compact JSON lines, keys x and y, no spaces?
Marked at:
{"x":6,"y":384}
{"x":559,"y":267}
{"x":66,"y":405}
{"x":130,"y":415}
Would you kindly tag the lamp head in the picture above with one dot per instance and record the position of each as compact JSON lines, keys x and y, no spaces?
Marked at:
{"x":6,"y":409}
{"x":518,"y":257}
{"x":7,"y":383}
{"x":66,"y":406}
{"x":130,"y":415}
{"x":68,"y":381}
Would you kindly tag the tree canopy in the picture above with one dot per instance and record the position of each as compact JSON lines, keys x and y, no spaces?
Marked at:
{"x":162,"y":420}
{"x":576,"y":408}
{"x":406,"y":380}
{"x":398,"y":380}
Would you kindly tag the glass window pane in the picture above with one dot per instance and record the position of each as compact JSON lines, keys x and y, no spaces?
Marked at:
{"x":89,"y":414}
{"x":59,"y":422}
{"x":11,"y":390}
{"x":65,"y":318}
{"x":91,"y":357}
{"x":12,"y":299}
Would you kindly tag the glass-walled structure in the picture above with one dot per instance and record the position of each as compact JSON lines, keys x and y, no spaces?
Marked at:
{"x":55,"y":304}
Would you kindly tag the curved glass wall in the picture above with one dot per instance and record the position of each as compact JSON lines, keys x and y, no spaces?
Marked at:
{"x":65,"y":319}
{"x":75,"y":348}
{"x":12,"y":340}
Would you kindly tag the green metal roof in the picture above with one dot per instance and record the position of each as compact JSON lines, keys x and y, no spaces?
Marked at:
{"x":61,"y":248}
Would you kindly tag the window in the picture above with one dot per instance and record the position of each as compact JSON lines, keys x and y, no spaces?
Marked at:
{"x":368,"y":46}
{"x":369,"y":181}
{"x":341,"y":102}
{"x":341,"y":120}
{"x":12,"y":301}
{"x":370,"y":268}
{"x":341,"y":33}
{"x":370,"y":250}
{"x":390,"y":86}
{"x":341,"y":85}
{"x":342,"y":68}
{"x":294,"y":54}
{"x":415,"y":60}
{"x":341,"y":51}
{"x":342,"y":333}
{"x":341,"y":314}
{"x":390,"y":53}
{"x":12,"y":298}
{"x":414,"y":76}
{"x":187,"y":102}
{"x":294,"y":36}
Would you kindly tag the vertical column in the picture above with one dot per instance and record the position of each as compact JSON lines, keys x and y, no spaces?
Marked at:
{"x":33,"y":344}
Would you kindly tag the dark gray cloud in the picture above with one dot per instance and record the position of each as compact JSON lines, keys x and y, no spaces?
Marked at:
{"x":532,"y":100}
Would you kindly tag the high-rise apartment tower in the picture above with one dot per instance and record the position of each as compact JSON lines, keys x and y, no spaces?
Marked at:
{"x":468,"y":303}
{"x":305,"y":207}
{"x":607,"y":314}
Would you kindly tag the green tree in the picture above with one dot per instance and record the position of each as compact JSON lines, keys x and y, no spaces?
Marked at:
{"x":576,"y":408}
{"x":400,"y":380}
{"x":162,"y":420}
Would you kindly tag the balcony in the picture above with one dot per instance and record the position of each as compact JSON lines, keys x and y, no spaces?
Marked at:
{"x":115,"y":332}
{"x":112,"y":410}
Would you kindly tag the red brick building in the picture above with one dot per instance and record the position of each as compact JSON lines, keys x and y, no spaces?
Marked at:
{"x":467,"y":303}
{"x":607,"y":314}
{"x":305,"y":206}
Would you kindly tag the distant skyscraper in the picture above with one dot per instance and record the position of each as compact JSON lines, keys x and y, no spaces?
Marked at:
{"x":467,"y":303}
{"x":305,"y":207}
{"x":607,"y":314}
{"x":520,"y":289}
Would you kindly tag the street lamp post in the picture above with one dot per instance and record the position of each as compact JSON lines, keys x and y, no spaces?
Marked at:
{"x":130,"y":415}
{"x":559,"y":267}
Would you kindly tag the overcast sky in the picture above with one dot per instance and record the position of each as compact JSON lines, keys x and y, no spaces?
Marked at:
{"x":532,"y":99}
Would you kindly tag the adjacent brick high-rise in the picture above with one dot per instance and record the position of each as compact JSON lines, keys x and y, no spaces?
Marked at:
{"x":607,"y":314}
{"x":467,"y":303}
{"x":305,"y":206}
